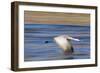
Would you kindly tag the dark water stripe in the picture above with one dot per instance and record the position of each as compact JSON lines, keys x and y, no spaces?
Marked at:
{"x":55,"y":29}
{"x":46,"y":25}
{"x":58,"y":33}
{"x":45,"y":36}
{"x":54,"y":35}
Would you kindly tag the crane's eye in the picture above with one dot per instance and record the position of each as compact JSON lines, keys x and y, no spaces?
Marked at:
{"x":67,"y":39}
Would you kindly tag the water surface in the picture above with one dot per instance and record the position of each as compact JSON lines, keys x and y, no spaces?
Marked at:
{"x":39,"y":44}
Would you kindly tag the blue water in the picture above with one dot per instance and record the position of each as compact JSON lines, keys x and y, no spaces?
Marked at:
{"x":39,"y":44}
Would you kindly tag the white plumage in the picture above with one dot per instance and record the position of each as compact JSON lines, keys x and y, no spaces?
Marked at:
{"x":64,"y":42}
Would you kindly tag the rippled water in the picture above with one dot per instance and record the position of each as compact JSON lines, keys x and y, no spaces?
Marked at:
{"x":39,"y":44}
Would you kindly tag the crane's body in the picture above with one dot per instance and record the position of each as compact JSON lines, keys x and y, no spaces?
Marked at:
{"x":64,"y":42}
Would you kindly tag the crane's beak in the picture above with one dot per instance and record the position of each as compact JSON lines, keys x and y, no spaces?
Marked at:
{"x":73,"y":39}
